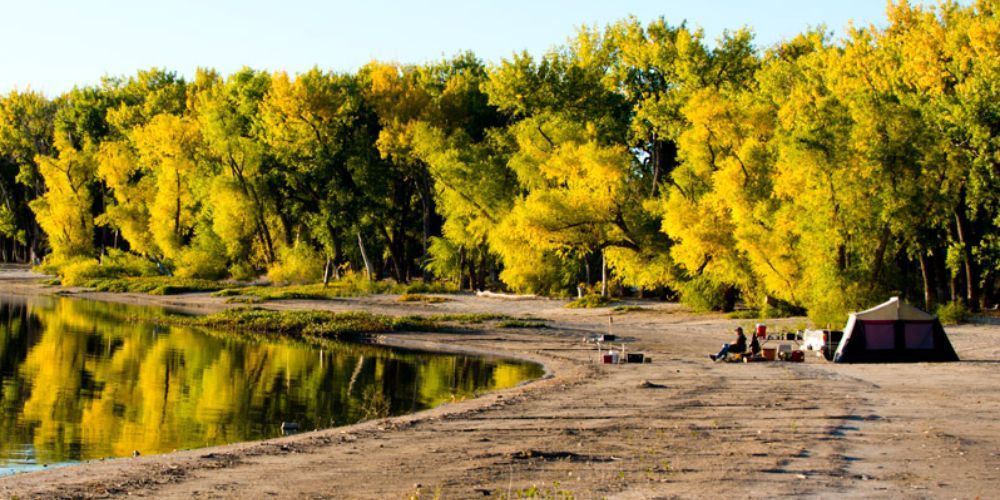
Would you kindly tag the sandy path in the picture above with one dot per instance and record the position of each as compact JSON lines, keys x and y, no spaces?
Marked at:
{"x":732,"y":430}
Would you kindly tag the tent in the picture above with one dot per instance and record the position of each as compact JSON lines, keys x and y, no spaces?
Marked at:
{"x":893,"y":332}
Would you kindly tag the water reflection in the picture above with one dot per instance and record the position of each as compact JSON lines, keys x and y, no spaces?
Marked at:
{"x":79,"y":383}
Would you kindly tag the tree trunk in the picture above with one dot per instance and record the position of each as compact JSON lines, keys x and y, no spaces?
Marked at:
{"x":461,"y":269}
{"x":425,"y":204}
{"x":970,"y":284}
{"x":326,"y":271}
{"x":364,"y":256}
{"x":925,"y":274}
{"x":394,"y":256}
{"x":338,"y":252}
{"x":604,"y":275}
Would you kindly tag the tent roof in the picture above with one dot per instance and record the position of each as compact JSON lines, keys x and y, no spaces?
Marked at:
{"x":893,"y":309}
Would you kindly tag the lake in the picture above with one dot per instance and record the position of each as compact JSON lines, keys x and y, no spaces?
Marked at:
{"x":80,"y":381}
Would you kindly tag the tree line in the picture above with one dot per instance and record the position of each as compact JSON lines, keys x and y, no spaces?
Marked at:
{"x":820,"y":173}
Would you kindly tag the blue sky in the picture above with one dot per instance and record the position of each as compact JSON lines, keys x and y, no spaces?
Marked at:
{"x":53,"y":45}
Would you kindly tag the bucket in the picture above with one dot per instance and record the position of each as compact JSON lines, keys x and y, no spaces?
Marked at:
{"x":761,"y":330}
{"x":769,"y":353}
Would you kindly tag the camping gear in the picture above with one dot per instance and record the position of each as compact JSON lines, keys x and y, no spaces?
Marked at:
{"x":798,"y":356}
{"x":607,"y":359}
{"x":784,"y":351}
{"x":761,"y":330}
{"x":769,"y":353}
{"x":634,"y":357}
{"x":893,"y":332}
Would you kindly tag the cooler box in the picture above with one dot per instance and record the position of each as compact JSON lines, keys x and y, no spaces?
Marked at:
{"x":761,"y":330}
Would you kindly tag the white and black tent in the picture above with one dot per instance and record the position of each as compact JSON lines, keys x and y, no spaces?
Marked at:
{"x":893,"y":332}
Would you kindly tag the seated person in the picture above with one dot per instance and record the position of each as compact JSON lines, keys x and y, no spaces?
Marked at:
{"x":754,"y":346}
{"x":737,"y":347}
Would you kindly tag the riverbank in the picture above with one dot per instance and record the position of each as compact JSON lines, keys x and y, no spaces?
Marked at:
{"x":591,"y":430}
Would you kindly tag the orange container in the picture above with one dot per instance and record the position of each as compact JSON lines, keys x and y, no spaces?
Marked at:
{"x":769,"y":353}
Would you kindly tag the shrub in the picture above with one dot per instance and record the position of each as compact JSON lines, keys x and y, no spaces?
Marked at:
{"x":589,"y":301}
{"x":116,"y":264}
{"x":702,"y":295}
{"x":953,"y":313}
{"x":431,"y":287}
{"x":205,"y":259}
{"x":745,"y":314}
{"x":77,"y":272}
{"x":416,"y":297}
{"x":242,"y":271}
{"x":299,"y":265}
{"x":626,"y":309}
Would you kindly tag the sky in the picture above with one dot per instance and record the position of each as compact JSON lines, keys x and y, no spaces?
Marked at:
{"x":54,"y":45}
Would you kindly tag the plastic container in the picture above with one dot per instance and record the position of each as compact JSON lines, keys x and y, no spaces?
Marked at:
{"x":606,"y":359}
{"x":761,"y":329}
{"x":634,"y":357}
{"x":615,"y":357}
{"x":769,"y":353}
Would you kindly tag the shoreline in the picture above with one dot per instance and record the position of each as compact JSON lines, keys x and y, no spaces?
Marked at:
{"x":590,"y":430}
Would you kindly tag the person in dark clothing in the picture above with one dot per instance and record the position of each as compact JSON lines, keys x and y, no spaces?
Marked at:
{"x":736,"y":347}
{"x":754,"y":346}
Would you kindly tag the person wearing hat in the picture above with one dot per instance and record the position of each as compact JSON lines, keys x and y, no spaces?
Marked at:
{"x":737,"y":347}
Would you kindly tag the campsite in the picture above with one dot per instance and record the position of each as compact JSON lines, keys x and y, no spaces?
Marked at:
{"x":673,"y":427}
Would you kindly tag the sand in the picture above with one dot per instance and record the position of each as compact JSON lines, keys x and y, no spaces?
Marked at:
{"x":587,"y":430}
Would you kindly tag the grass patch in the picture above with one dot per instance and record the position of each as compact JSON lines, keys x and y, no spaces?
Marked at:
{"x":244,"y":299}
{"x":153,"y":285}
{"x":349,"y":287}
{"x":517,"y":323}
{"x":744,"y":314}
{"x":319,"y":324}
{"x":626,"y":309}
{"x":419,"y":297}
{"x":589,"y":302}
{"x":474,"y":318}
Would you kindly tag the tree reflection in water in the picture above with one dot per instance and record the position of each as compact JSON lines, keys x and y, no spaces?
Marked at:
{"x":79,"y":383}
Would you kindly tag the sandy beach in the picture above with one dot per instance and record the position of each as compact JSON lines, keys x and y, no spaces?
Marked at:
{"x":587,"y":430}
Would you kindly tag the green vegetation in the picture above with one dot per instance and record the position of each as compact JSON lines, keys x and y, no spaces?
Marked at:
{"x":318,"y":325}
{"x":516,"y":323}
{"x":953,"y":313}
{"x":309,"y":323}
{"x":418,"y":297}
{"x":589,"y":301}
{"x":157,"y":285}
{"x":351,"y":285}
{"x":821,"y":173}
{"x":628,"y":308}
{"x":745,"y":314}
{"x":471,"y":318}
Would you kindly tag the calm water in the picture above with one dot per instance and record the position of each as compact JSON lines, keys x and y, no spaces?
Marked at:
{"x":79,"y":383}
